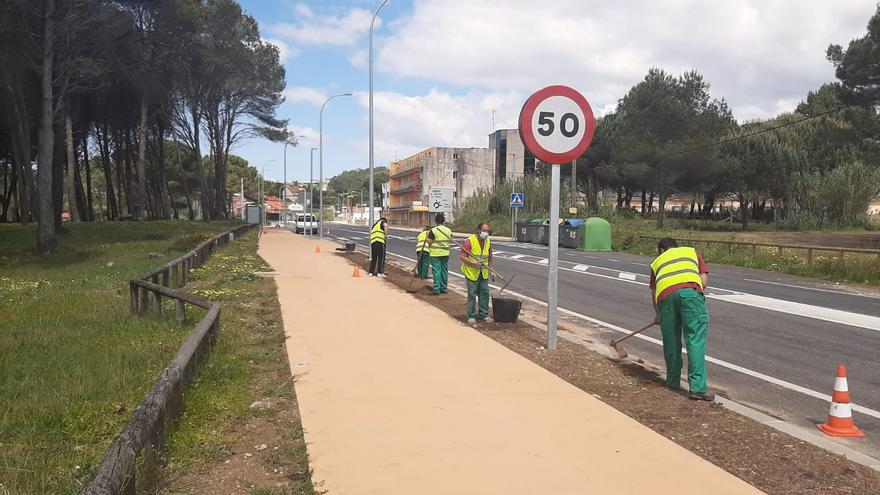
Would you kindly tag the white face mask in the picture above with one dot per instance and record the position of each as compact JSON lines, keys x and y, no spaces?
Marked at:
{"x":484,"y":235}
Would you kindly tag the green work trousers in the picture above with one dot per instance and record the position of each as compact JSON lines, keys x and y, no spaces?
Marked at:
{"x":478,"y":289}
{"x":440,"y":267}
{"x":684,"y":313}
{"x":424,"y":265}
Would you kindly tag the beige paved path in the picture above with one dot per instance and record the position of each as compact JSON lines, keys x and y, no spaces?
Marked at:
{"x":399,"y":398}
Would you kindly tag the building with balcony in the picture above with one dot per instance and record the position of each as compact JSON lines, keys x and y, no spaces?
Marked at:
{"x":465,"y":170}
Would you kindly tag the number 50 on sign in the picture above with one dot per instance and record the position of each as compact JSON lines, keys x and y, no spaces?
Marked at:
{"x":557,"y":124}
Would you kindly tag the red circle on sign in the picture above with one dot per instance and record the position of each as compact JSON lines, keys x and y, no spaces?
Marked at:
{"x":527,"y":134}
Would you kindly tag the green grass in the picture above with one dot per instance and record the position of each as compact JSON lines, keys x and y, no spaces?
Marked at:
{"x":73,"y":363}
{"x":248,"y":363}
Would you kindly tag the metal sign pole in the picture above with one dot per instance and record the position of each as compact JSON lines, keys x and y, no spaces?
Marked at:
{"x":553,"y":266}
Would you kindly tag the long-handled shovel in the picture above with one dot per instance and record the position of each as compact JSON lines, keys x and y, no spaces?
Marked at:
{"x":618,"y":353}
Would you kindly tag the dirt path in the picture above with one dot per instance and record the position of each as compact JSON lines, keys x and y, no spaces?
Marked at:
{"x":397,"y":397}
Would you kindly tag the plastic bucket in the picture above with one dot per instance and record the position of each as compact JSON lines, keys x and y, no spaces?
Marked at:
{"x":505,"y":310}
{"x":349,"y":246}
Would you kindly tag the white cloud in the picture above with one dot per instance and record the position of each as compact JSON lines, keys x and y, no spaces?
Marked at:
{"x":306,"y":136}
{"x":305,"y":94}
{"x":285,"y":51}
{"x":407,"y":124}
{"x":358,"y":58}
{"x":345,"y":29}
{"x":760,"y":55}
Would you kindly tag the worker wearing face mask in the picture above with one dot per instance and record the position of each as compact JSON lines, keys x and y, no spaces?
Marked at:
{"x":476,"y":258}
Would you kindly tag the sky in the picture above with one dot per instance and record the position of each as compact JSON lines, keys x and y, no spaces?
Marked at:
{"x":443,"y":68}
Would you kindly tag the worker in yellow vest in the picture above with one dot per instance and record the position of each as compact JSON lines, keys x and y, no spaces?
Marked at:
{"x":678,"y":278}
{"x":438,"y":247}
{"x":422,"y":254}
{"x":476,"y":258}
{"x":377,"y":248}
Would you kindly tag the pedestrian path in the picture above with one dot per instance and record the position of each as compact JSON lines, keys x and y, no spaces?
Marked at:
{"x":397,"y":397}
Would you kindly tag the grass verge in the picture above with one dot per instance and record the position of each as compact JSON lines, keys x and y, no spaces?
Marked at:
{"x":240,"y":432}
{"x":73,"y":363}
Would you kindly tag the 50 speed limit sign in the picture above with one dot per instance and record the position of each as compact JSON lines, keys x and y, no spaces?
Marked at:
{"x":557,"y":124}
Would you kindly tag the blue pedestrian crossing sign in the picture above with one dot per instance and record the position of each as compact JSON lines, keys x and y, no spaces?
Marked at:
{"x":517,"y":200}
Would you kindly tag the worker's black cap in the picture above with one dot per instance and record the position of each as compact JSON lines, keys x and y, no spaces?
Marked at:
{"x":440,"y":218}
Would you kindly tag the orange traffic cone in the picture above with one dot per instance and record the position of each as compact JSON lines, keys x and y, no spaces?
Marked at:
{"x":317,"y":248}
{"x":357,"y":272}
{"x":840,"y":422}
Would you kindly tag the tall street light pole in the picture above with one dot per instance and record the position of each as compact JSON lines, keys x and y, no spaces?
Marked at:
{"x":372,"y":187}
{"x":312,"y":184}
{"x":321,"y":164}
{"x":284,"y":195}
{"x":262,"y":193}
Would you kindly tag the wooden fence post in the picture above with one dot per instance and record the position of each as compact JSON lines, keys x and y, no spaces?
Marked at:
{"x":133,"y":298}
{"x":754,"y":249}
{"x":809,"y":256}
{"x":145,"y":300}
{"x":157,"y":301}
{"x":840,"y":258}
{"x":166,"y":277}
{"x":780,"y":250}
{"x":179,"y":310}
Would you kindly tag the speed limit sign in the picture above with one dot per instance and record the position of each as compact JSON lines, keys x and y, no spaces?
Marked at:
{"x":557,"y":124}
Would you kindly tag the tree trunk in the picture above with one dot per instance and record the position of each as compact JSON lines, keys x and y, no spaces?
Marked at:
{"x":744,"y":211}
{"x":205,"y":193}
{"x":20,"y":136}
{"x":104,"y":149}
{"x":46,"y":138}
{"x":71,"y":169}
{"x":592,"y":194}
{"x":129,"y":185}
{"x":141,"y":186}
{"x":90,"y":206}
{"x":661,"y":206}
{"x":644,"y":201}
{"x":59,"y":163}
{"x":651,"y":202}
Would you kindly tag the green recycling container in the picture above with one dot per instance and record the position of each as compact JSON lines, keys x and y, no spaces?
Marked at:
{"x":596,"y":235}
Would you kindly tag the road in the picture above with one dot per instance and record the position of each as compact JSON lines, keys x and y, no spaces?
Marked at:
{"x":775,"y":340}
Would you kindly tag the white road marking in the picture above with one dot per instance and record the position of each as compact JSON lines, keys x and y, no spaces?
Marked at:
{"x":734,"y":367}
{"x":581,"y":268}
{"x":517,"y":257}
{"x":869,"y":296}
{"x":543,"y":261}
{"x":805,"y":310}
{"x":626,"y":276}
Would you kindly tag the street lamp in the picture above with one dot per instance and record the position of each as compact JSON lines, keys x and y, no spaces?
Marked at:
{"x":372,"y":190}
{"x":262,"y":197}
{"x":321,"y":164}
{"x":284,"y":195}
{"x":311,"y":184}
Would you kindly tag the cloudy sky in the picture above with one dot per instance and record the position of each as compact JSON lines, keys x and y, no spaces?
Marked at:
{"x":443,"y":66}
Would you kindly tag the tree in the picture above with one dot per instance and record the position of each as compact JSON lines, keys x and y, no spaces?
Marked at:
{"x":666,"y":124}
{"x":857,"y":66}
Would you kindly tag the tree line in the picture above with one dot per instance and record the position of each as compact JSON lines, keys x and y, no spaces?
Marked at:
{"x":129,"y":108}
{"x":818,"y":165}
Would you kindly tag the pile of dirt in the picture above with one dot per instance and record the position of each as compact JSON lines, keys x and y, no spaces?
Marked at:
{"x":762,"y":456}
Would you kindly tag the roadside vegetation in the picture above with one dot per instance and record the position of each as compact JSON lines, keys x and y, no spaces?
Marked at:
{"x":240,"y":430}
{"x":73,"y":363}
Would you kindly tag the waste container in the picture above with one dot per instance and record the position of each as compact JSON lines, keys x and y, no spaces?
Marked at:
{"x":596,"y":235}
{"x":545,"y":233}
{"x":537,"y":230}
{"x":522,"y":232}
{"x":570,"y":232}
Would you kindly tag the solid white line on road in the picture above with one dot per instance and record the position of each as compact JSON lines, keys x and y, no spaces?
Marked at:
{"x":869,"y":296}
{"x":626,"y":276}
{"x":581,"y":268}
{"x":724,"y":364}
{"x":805,"y":310}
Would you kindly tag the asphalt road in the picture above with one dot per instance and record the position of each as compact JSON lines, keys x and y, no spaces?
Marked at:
{"x":775,"y":340}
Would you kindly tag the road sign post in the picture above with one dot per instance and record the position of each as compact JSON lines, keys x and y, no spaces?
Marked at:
{"x":517,"y":201}
{"x":557,"y":125}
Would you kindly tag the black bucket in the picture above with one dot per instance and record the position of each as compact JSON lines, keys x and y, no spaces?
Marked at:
{"x":349,"y":246}
{"x":505,"y":310}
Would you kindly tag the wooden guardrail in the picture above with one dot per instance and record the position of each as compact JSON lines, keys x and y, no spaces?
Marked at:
{"x":840,"y":251}
{"x":144,"y":433}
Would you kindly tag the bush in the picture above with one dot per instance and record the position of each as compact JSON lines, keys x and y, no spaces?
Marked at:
{"x":185,"y":242}
{"x":838,"y":198}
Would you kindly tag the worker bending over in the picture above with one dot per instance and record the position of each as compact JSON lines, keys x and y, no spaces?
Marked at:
{"x":476,"y":258}
{"x":377,"y":248}
{"x":438,"y":247}
{"x":678,"y":277}
{"x":422,"y":254}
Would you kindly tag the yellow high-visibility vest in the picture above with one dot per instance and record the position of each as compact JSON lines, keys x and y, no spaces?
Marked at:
{"x":440,"y":246}
{"x":421,"y":245}
{"x":675,"y":266}
{"x":480,"y":256}
{"x":377,"y":234}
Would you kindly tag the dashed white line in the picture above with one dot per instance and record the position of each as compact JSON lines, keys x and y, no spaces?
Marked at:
{"x":626,"y":276}
{"x":517,"y":257}
{"x":581,"y":268}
